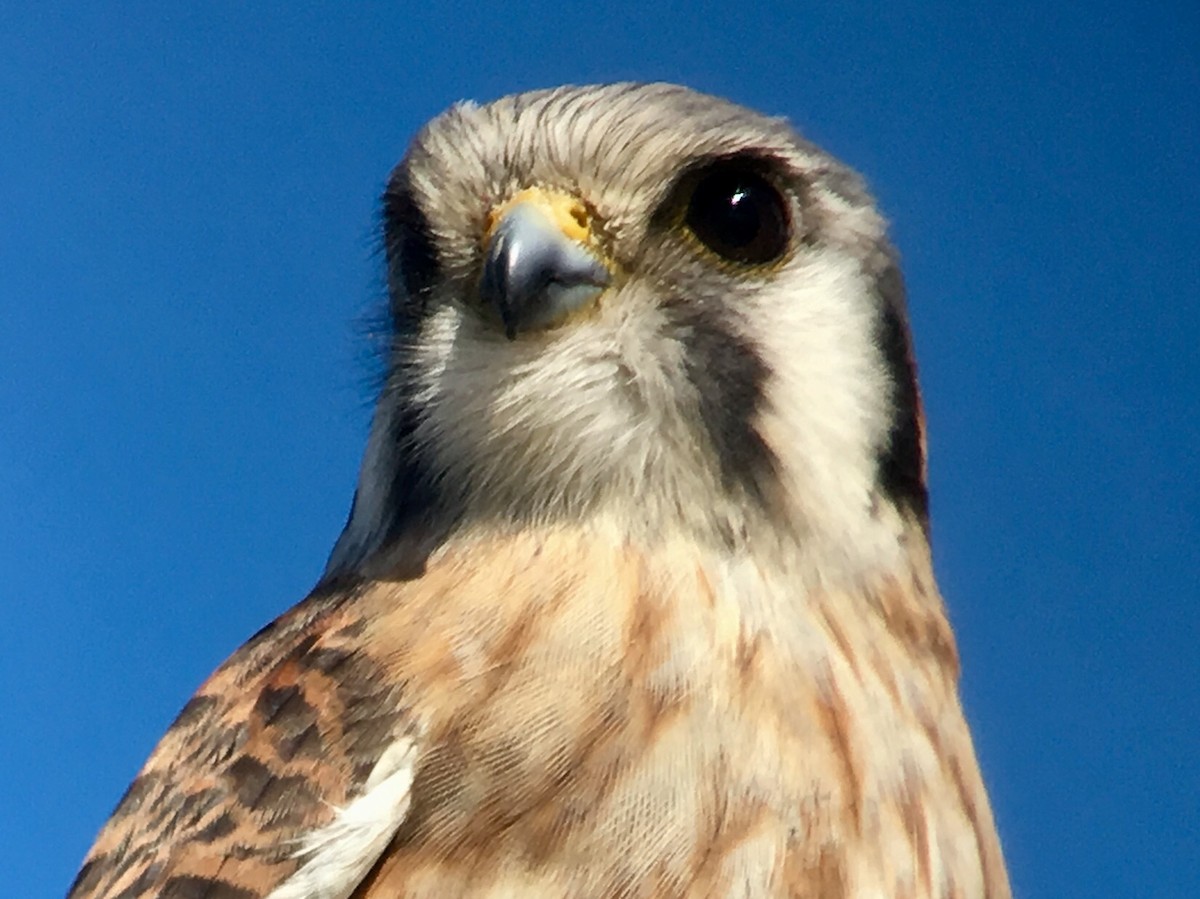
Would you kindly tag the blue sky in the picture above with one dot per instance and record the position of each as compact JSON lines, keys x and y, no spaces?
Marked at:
{"x":187,"y":211}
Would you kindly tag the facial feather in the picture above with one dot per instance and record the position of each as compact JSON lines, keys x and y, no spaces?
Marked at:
{"x":718,"y":400}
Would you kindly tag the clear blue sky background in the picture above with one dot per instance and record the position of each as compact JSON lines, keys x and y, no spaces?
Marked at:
{"x":187,"y":206}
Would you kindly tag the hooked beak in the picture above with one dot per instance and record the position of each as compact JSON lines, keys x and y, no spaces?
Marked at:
{"x":537,"y":267}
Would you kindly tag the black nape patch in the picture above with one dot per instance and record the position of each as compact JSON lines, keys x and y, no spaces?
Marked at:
{"x":729,"y":377}
{"x":412,"y":495}
{"x":902,"y":459}
{"x":412,"y":260}
{"x":412,"y":525}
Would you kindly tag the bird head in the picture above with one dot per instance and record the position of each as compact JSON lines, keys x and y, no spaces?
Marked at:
{"x":641,"y":304}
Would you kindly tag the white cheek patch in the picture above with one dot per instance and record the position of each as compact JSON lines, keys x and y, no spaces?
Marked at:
{"x":829,"y":404}
{"x":339,"y":855}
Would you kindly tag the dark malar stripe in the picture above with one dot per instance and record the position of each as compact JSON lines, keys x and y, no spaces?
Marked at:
{"x":730,"y":378}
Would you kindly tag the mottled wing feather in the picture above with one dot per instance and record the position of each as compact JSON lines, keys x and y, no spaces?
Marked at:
{"x":280,"y":738}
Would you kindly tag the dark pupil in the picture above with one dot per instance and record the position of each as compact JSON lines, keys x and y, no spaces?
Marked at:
{"x":738,"y":216}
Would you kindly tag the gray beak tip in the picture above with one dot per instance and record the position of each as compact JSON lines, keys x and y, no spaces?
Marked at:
{"x":534,"y":274}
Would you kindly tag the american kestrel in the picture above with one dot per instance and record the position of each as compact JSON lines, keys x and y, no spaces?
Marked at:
{"x":635,"y":595}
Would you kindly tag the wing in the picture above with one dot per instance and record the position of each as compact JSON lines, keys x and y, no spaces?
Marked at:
{"x":285,"y":776}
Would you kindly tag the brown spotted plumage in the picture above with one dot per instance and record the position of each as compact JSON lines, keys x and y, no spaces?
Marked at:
{"x":278,"y":737}
{"x":635,"y":599}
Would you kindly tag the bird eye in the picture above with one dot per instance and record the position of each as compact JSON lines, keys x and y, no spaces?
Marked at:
{"x":739,"y":215}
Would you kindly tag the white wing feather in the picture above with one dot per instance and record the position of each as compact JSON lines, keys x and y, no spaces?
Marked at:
{"x":339,"y":855}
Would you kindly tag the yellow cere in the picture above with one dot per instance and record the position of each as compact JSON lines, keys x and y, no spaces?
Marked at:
{"x":566,"y":211}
